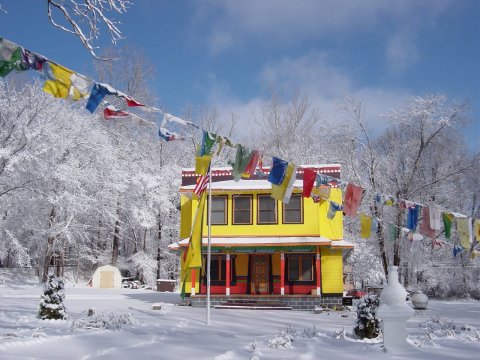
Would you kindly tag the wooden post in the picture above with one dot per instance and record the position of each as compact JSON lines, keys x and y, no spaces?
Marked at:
{"x":227,"y":275}
{"x":317,"y":268}
{"x":282,"y":274}
{"x":192,"y":275}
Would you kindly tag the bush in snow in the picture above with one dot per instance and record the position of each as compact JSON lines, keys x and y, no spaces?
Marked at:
{"x":104,"y":320}
{"x":367,"y":326}
{"x":284,"y":338}
{"x":51,"y":303}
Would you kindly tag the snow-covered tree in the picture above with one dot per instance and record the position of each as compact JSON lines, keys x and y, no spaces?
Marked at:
{"x":51,"y":303}
{"x":368,"y":325}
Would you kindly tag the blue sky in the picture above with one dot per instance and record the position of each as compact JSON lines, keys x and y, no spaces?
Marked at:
{"x":227,"y":54}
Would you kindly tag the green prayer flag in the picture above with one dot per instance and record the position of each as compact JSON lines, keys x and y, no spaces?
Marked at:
{"x":242,"y":159}
{"x":393,"y":232}
{"x":447,"y":224}
{"x":14,"y":63}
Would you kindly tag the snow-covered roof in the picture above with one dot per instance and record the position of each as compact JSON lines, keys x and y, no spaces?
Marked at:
{"x":316,"y":166}
{"x":266,"y":241}
{"x":241,"y":185}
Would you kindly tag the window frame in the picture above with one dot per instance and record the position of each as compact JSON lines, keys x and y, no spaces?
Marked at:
{"x":284,"y":220}
{"x":300,"y":279}
{"x":275,"y":210}
{"x":225,"y":209}
{"x":222,"y":264}
{"x":234,"y":197}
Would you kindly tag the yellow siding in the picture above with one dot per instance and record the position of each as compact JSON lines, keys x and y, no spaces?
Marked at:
{"x":275,"y":264}
{"x":315,"y":221}
{"x":331,"y":229}
{"x":241,"y":264}
{"x":332,"y":271}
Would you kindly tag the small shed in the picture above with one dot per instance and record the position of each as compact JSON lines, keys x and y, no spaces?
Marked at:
{"x":107,"y":277}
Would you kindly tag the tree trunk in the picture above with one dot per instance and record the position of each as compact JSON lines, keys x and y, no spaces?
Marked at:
{"x":116,"y":243}
{"x":159,"y":253}
{"x":381,"y":241}
{"x":48,"y":258}
{"x":49,"y":250}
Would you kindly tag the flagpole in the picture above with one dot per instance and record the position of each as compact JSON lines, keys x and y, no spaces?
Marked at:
{"x":209,"y":242}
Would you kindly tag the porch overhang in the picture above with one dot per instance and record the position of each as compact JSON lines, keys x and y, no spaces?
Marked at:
{"x":270,"y":242}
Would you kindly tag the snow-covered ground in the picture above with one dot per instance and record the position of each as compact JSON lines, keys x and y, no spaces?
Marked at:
{"x":131,"y":329}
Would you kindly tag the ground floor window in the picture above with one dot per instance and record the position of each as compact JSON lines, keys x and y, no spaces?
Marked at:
{"x":300,"y":267}
{"x":218,"y":267}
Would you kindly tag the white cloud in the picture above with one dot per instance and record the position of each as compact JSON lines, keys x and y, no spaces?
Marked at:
{"x":231,"y":22}
{"x":400,"y":52}
{"x":314,"y":75}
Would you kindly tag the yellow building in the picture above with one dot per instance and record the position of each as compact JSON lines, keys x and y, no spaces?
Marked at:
{"x":263,"y":248}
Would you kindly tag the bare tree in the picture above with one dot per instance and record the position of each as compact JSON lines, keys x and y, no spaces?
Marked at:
{"x":93,"y":13}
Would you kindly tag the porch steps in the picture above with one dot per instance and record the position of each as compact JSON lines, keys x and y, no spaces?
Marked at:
{"x":252,"y":305}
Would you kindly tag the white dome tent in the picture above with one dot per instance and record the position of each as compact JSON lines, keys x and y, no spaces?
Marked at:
{"x":106,"y":277}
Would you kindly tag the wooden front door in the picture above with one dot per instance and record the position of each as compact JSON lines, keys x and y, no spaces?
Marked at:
{"x":260,"y":265}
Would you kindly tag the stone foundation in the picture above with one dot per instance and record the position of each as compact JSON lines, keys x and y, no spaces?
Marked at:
{"x":296,"y":302}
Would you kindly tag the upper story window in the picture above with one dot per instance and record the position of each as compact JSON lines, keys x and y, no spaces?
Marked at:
{"x":293,"y":211}
{"x":219,"y":209}
{"x":242,"y":209}
{"x":267,"y":210}
{"x":300,"y":268}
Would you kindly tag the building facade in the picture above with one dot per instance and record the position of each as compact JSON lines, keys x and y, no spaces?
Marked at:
{"x":263,"y":248}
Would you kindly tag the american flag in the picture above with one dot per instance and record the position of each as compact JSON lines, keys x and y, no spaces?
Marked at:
{"x":202,"y":183}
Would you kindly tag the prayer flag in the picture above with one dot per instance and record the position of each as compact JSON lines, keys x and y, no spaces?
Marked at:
{"x":425,"y":228}
{"x":252,"y":164}
{"x":57,"y":81}
{"x":32,"y":60}
{"x":242,"y":158}
{"x":132,"y":102}
{"x":11,"y":58}
{"x":464,"y":229}
{"x":393,"y":229}
{"x":202,"y":163}
{"x":412,"y":216}
{"x":283,"y":191}
{"x":435,"y":216}
{"x":309,"y":177}
{"x":319,"y":194}
{"x":278,"y":171}
{"x":168,"y":135}
{"x":353,"y":197}
{"x":332,"y":209}
{"x":202,"y":183}
{"x":476,"y":226}
{"x":192,"y":257}
{"x":456,"y":250}
{"x":208,"y":141}
{"x":447,"y":224}
{"x":98,"y":93}
{"x":365,"y":226}
{"x":111,"y":112}
{"x":170,"y":118}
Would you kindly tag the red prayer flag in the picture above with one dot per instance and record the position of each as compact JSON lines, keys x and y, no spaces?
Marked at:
{"x":309,"y":176}
{"x":252,"y":164}
{"x":111,"y":112}
{"x":132,"y":102}
{"x":353,"y":197}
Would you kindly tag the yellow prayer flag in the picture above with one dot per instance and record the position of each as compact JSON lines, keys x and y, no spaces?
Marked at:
{"x":59,"y":86}
{"x":283,"y":191}
{"x":201,"y":164}
{"x":365,"y":226}
{"x":65,"y":83}
{"x":193,"y":256}
{"x":464,"y":232}
{"x":477,"y":229}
